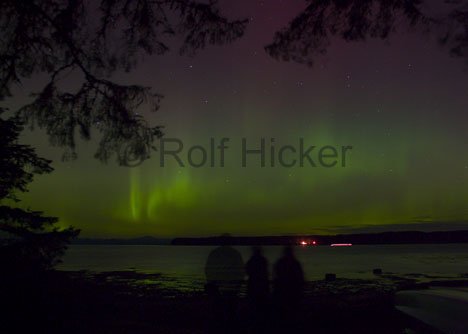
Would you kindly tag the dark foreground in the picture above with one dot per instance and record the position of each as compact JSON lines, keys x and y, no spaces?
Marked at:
{"x":130,"y":302}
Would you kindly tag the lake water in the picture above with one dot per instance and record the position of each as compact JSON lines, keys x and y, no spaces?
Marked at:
{"x":186,"y":263}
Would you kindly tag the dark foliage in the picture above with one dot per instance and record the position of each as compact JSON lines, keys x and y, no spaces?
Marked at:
{"x":456,"y":33}
{"x":310,"y":33}
{"x":94,"y":41}
{"x":29,"y":240}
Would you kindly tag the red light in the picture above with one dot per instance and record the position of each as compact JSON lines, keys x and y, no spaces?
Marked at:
{"x":314,"y":243}
{"x":303,"y":243}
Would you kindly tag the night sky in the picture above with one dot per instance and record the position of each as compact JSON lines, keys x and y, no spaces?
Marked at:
{"x":402,"y":104}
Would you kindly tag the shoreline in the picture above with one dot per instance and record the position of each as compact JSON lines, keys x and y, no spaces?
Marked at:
{"x":134,"y":302}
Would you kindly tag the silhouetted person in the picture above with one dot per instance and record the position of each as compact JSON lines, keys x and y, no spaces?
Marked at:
{"x":224,"y":272}
{"x":258,"y":286}
{"x":288,"y":286}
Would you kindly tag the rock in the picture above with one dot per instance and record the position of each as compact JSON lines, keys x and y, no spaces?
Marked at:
{"x":377,"y":271}
{"x":330,"y":277}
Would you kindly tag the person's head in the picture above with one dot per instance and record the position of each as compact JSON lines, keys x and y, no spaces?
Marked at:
{"x":225,"y":239}
{"x":257,"y":250}
{"x":288,"y":251}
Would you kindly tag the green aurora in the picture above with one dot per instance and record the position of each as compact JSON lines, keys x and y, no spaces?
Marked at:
{"x":386,"y":182}
{"x":403,"y":108}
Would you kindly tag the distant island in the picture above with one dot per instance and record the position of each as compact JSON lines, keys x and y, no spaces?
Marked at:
{"x":406,"y":237}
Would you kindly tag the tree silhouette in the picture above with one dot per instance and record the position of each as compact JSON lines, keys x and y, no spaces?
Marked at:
{"x":310,"y":33}
{"x":455,"y":34}
{"x":30,"y":241}
{"x":96,"y":40}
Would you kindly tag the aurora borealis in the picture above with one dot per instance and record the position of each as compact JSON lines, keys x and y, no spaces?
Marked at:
{"x":402,"y":105}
